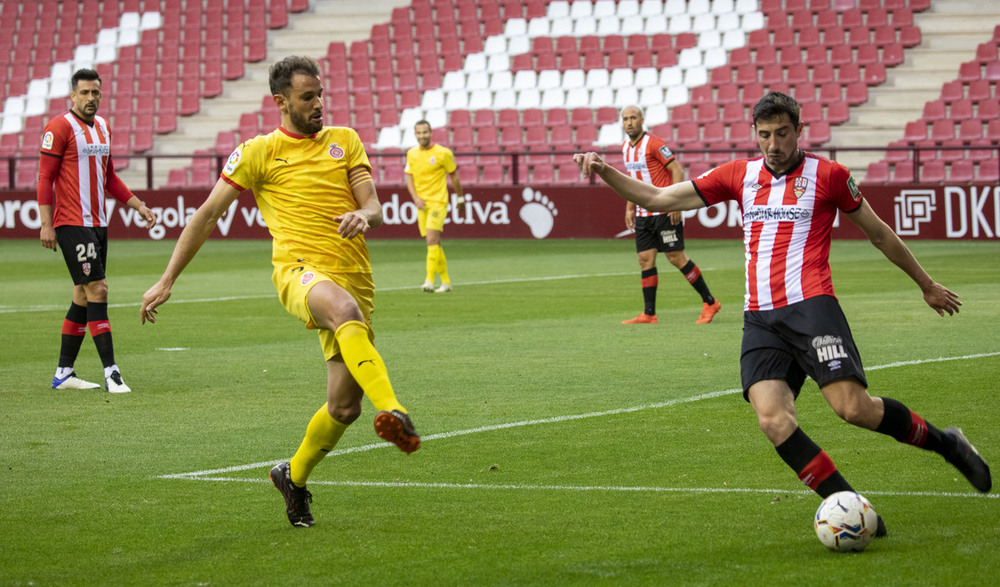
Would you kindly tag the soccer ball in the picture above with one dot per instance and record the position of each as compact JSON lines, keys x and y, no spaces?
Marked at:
{"x":845,"y":522}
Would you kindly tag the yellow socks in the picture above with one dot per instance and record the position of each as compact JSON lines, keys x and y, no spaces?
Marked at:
{"x":442,"y":266}
{"x":322,"y":435}
{"x":433,"y":253}
{"x":366,"y":366}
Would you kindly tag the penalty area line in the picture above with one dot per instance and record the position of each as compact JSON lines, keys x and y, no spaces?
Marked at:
{"x":204,"y":475}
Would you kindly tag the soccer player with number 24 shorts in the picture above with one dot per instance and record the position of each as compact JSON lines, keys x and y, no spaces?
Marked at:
{"x":793,"y":325}
{"x":74,"y":172}
{"x":314,"y":188}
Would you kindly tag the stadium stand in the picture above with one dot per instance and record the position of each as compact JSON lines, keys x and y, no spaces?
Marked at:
{"x":506,"y":77}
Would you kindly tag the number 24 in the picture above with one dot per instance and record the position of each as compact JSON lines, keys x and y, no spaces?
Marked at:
{"x":85,"y":251}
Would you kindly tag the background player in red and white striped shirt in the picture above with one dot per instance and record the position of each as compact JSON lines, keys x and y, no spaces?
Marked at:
{"x":793,"y":325}
{"x":647,"y":158}
{"x":74,"y":172}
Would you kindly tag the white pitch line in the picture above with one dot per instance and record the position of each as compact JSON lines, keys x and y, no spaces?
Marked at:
{"x":55,"y":307}
{"x":606,"y":488}
{"x":202,"y":475}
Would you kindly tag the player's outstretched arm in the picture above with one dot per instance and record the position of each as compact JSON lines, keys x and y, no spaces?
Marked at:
{"x":194,"y":235}
{"x":674,"y":198}
{"x":937,"y":296}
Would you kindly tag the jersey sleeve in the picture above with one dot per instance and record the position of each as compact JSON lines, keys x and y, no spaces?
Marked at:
{"x":244,"y":166}
{"x":661,"y":151}
{"x":409,"y":154}
{"x":719,"y":184}
{"x":448,"y":160}
{"x":844,"y":189}
{"x":55,"y":138}
{"x":357,"y":157}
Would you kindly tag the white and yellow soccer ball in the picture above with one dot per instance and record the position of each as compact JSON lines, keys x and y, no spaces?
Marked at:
{"x":845,"y":522}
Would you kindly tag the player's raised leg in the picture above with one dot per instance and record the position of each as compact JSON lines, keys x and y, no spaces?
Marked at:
{"x":852,"y":402}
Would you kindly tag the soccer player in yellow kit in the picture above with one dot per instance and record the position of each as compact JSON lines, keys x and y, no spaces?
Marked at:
{"x":428,"y":166}
{"x":314,"y":188}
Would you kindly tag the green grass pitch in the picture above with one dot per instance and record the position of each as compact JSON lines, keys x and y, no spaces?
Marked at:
{"x":560,"y":447}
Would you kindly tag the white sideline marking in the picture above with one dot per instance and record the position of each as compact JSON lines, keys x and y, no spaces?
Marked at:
{"x":204,"y":475}
{"x":53,"y":307}
{"x":639,"y":489}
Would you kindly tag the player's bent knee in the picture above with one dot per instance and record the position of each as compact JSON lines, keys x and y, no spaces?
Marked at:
{"x":345,"y":413}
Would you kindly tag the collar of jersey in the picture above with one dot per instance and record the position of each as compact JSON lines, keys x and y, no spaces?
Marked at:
{"x":295,"y":136}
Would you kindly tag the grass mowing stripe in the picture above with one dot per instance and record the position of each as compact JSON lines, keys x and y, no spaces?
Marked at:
{"x":555,"y":419}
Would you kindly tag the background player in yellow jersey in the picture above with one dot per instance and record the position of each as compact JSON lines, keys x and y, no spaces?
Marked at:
{"x":314,"y":188}
{"x":428,"y":166}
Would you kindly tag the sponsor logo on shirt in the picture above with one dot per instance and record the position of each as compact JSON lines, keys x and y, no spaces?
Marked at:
{"x":336,"y":152}
{"x":779,"y":213}
{"x":234,"y":160}
{"x":47,"y":140}
{"x":666,"y":152}
{"x":96,"y":150}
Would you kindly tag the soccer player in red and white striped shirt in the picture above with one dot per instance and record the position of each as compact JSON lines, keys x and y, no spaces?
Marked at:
{"x":74,"y":171}
{"x":793,"y":325}
{"x":646,"y":157}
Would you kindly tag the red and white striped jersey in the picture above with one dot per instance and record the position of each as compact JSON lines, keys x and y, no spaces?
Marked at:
{"x":647,"y":161}
{"x":79,"y":186}
{"x":787,"y":224}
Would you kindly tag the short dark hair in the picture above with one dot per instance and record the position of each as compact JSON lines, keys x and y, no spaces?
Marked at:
{"x":84,"y":74}
{"x":280,"y":74}
{"x":422,"y":121}
{"x":773,"y":105}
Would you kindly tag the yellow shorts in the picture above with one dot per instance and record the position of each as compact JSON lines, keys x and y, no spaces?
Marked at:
{"x":432,"y":217}
{"x":294,"y":281}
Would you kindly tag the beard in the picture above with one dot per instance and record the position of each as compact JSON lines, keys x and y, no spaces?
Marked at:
{"x":306,"y":125}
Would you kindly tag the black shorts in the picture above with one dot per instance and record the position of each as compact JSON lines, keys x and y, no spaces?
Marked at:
{"x":85,"y":251}
{"x":658,"y":232}
{"x":810,"y":337}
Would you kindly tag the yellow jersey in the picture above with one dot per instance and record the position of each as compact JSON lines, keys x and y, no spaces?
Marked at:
{"x":430,"y":168}
{"x":301,"y":185}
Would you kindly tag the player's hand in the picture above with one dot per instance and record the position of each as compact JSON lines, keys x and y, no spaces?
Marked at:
{"x":676,"y":217}
{"x":630,"y":218}
{"x":352,"y":224}
{"x":589,"y":163}
{"x":146,"y":214}
{"x":153,"y":297}
{"x":48,"y":237}
{"x":942,"y":299}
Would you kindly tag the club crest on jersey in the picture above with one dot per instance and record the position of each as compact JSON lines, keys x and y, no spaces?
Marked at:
{"x":85,"y":268}
{"x":800,"y":186}
{"x":307,"y":277}
{"x":47,"y":140}
{"x":336,"y":152}
{"x":432,"y":160}
{"x":234,"y":160}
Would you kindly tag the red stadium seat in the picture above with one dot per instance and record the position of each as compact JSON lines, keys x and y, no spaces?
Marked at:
{"x":934,"y":110}
{"x":878,"y":172}
{"x":932,"y":171}
{"x":988,"y":170}
{"x":961,"y":170}
{"x":942,"y":130}
{"x":902,"y":172}
{"x":915,"y":132}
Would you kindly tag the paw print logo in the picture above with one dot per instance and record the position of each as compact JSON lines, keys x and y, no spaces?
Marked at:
{"x":538,"y":213}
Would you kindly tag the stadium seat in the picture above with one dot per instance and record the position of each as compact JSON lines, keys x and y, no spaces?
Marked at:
{"x":961,"y":170}
{"x":988,"y":170}
{"x":878,"y":172}
{"x":932,"y":171}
